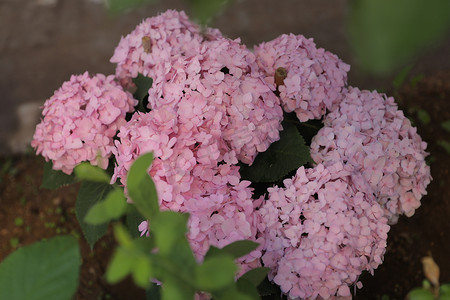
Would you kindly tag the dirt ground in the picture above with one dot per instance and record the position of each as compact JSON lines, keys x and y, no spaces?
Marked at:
{"x":28,"y":213}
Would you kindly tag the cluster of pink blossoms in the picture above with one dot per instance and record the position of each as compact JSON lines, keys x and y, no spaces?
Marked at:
{"x":214,"y":103}
{"x":373,"y":137}
{"x":80,"y":121}
{"x":209,"y":108}
{"x":320,"y":233}
{"x":313,"y":80}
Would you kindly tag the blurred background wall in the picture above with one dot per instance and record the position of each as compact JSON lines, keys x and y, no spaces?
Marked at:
{"x":43,"y":42}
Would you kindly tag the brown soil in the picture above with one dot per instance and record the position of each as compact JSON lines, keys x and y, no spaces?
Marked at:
{"x":47,"y":213}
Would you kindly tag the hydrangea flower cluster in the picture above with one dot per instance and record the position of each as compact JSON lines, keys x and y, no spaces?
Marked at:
{"x":80,"y":121}
{"x":321,"y":233}
{"x":214,"y":104}
{"x":189,"y":178}
{"x":309,"y":80}
{"x":369,"y":133}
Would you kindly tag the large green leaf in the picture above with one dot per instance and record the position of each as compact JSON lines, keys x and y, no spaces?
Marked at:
{"x":46,"y":270}
{"x":141,"y":188}
{"x":89,"y":194}
{"x":215,"y":273}
{"x":386,"y":34}
{"x":282,"y":157}
{"x":53,"y":179}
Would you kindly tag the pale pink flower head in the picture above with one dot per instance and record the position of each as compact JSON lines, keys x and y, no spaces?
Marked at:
{"x":154,"y":45}
{"x":189,"y":177}
{"x":80,"y":121}
{"x":320,"y":233}
{"x":368,"y":132}
{"x":310,"y":80}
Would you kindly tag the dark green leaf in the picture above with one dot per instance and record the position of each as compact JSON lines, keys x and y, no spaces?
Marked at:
{"x":282,"y":157}
{"x":205,"y":10}
{"x":423,"y":116}
{"x":141,"y":188}
{"x":53,"y":179}
{"x":420,"y":294}
{"x":248,"y":289}
{"x":387,"y":34}
{"x":117,"y":6}
{"x":86,"y":171}
{"x":89,"y":194}
{"x":143,"y":84}
{"x":256,"y":275}
{"x":267,"y":288}
{"x":445,"y":145}
{"x":133,"y":219}
{"x":112,"y":207}
{"x":215,"y":273}
{"x":235,"y":249}
{"x":153,"y":292}
{"x":46,"y":270}
{"x":446,"y":125}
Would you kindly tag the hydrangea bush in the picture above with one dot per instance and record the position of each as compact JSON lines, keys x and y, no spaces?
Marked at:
{"x":213,"y":110}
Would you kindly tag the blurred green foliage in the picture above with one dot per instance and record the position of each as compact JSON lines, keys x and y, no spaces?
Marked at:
{"x":387,"y":34}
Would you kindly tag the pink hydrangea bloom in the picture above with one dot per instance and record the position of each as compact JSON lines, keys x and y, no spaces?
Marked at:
{"x":314,"y":77}
{"x":320,"y":233}
{"x":193,"y":72}
{"x":155,"y":43}
{"x":80,"y":121}
{"x":189,"y":178}
{"x":368,"y":132}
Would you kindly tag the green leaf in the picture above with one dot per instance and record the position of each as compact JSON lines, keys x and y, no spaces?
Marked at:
{"x":267,"y":288}
{"x":446,"y":125}
{"x":420,"y":294}
{"x":141,"y":188}
{"x":444,"y":291}
{"x":445,"y":145}
{"x":423,"y":116}
{"x":119,"y":266}
{"x":282,"y":157}
{"x":169,"y":227}
{"x":143,"y":84}
{"x":112,"y":207}
{"x":153,"y":292}
{"x":215,"y":273}
{"x":142,"y":271}
{"x":118,"y":6}
{"x":53,"y":179}
{"x":247,"y":288}
{"x":86,"y":171}
{"x":88,"y":195}
{"x":173,"y":289}
{"x":256,"y":275}
{"x":387,"y":34}
{"x":235,"y":249}
{"x":46,"y":270}
{"x":133,"y":220}
{"x":205,"y":10}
